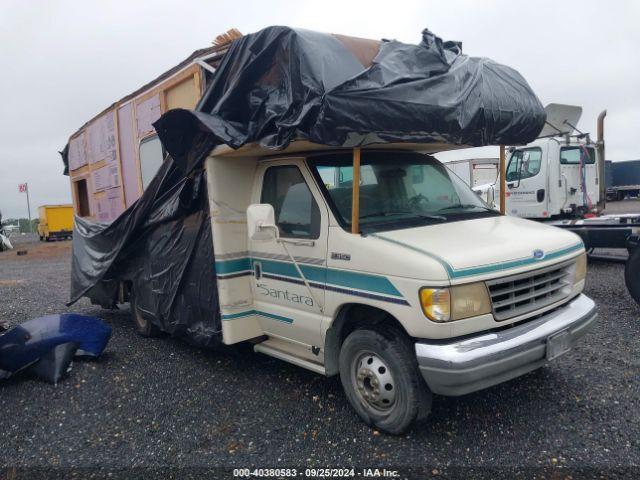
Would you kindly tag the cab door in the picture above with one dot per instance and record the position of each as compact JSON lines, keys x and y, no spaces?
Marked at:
{"x":286,"y":306}
{"x":579,"y":170}
{"x":527,"y":190}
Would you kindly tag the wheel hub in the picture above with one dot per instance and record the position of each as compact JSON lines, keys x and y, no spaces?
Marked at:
{"x":374,"y":382}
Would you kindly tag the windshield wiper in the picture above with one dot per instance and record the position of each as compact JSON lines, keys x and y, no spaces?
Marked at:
{"x":463,"y":206}
{"x":415,"y":214}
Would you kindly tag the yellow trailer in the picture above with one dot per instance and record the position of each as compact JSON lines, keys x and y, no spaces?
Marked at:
{"x":56,"y":222}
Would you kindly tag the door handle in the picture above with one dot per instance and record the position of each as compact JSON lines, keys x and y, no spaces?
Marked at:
{"x":257,"y":270}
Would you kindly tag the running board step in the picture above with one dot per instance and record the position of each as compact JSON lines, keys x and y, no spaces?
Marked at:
{"x":287,"y":357}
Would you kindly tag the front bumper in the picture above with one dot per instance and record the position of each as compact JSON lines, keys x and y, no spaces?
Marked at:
{"x":478,"y":362}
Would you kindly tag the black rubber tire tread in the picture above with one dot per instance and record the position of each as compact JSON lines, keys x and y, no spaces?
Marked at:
{"x":143,"y":326}
{"x":632,"y":275}
{"x":396,"y":348}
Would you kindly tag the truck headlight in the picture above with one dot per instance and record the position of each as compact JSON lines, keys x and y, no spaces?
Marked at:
{"x":455,"y":303}
{"x":580,"y":268}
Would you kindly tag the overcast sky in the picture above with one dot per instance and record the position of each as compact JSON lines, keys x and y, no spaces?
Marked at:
{"x":64,"y":61}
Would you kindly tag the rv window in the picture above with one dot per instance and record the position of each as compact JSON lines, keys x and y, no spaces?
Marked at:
{"x":297,"y":213}
{"x":524,"y":163}
{"x":151,"y":157}
{"x":572,"y":155}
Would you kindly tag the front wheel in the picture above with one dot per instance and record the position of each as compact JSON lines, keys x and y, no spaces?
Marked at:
{"x":380,"y":376}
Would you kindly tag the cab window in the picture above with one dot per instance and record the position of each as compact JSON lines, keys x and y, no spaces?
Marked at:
{"x":572,"y":155}
{"x":524,"y":163}
{"x":296,"y":211}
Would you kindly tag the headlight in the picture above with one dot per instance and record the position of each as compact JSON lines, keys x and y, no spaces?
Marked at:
{"x":581,"y":268}
{"x":455,"y":303}
{"x":469,"y":300}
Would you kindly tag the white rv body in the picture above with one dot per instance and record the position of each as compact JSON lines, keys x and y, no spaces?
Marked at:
{"x":293,"y":297}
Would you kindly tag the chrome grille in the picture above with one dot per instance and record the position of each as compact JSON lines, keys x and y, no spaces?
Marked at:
{"x":527,"y":292}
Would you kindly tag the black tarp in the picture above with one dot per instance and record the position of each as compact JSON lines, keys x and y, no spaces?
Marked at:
{"x":273,"y":87}
{"x":282,"y":84}
{"x":162,"y":247}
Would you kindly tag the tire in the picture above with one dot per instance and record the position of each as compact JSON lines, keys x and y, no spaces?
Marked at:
{"x":371,"y":360}
{"x":143,"y":325}
{"x":632,"y":275}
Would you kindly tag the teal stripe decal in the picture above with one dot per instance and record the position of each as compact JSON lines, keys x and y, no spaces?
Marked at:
{"x":444,"y":264}
{"x":466,"y":272}
{"x":224,"y":267}
{"x":342,"y":278}
{"x":280,"y":318}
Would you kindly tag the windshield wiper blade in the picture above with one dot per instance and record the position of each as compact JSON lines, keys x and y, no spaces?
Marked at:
{"x":415,"y":214}
{"x":463,"y":206}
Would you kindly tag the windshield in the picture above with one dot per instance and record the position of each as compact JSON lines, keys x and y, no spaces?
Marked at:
{"x":397,"y":190}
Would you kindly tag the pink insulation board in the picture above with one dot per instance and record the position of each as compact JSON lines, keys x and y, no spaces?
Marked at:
{"x":105,"y":177}
{"x":77,"y":155}
{"x":128,"y":154}
{"x":109,"y":207}
{"x":101,"y":139}
{"x":147,"y":112}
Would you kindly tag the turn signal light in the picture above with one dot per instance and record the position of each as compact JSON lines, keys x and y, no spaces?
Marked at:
{"x":436,"y":303}
{"x":581,"y":268}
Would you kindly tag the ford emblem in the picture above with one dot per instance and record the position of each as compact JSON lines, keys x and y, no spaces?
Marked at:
{"x":538,"y":254}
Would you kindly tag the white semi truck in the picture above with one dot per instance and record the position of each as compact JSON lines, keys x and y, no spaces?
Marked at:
{"x":556,"y":176}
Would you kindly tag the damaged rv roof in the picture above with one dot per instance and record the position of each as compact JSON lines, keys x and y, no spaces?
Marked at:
{"x":210,"y":56}
{"x":281,"y":85}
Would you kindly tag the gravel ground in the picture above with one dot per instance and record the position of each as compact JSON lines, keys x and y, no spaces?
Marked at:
{"x":158,"y":403}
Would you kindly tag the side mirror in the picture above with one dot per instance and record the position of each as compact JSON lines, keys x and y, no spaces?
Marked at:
{"x":261,"y":224}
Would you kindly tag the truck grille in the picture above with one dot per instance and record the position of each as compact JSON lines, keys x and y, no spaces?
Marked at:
{"x":527,"y":292}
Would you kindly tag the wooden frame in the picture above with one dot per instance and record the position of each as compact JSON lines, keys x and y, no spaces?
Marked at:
{"x":503,"y":181}
{"x":355,"y":192}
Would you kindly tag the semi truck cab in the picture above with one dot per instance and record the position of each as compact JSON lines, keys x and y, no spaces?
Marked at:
{"x":552,"y":177}
{"x":434,"y":293}
{"x":559,"y":175}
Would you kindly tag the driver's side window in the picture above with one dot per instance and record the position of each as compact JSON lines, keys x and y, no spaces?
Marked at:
{"x":524,"y":163}
{"x":296,"y":211}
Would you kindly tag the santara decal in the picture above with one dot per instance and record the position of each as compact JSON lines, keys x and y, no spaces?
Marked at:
{"x":284,"y":295}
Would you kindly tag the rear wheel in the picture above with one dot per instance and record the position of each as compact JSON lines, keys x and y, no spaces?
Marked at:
{"x":143,"y":325}
{"x":380,"y":376}
{"x":632,"y":275}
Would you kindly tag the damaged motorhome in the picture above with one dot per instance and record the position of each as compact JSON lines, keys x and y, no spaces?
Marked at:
{"x":299,"y":208}
{"x":112,"y":158}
